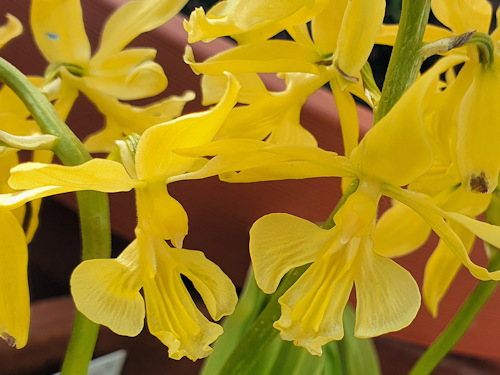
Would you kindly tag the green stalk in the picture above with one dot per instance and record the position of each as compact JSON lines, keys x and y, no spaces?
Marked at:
{"x":460,"y":323}
{"x":93,"y":206}
{"x":471,"y":307}
{"x":406,"y":57}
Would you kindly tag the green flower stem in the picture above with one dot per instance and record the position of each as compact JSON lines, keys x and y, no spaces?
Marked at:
{"x":93,"y":206}
{"x":460,"y":323}
{"x":262,"y":332}
{"x":406,"y":57}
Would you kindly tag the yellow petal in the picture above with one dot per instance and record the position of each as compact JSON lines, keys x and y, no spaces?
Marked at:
{"x":59,"y":31}
{"x":246,"y":21}
{"x":462,"y":16}
{"x":325,"y":27}
{"x":312,"y":309}
{"x":348,"y":115}
{"x":96,"y":174}
{"x":155,"y":159}
{"x":10,"y":30}
{"x":11,"y":201}
{"x":276,"y":116}
{"x":478,"y":137}
{"x":127,"y":75}
{"x":215,"y":288}
{"x":161,"y":215}
{"x":441,"y":269}
{"x":354,"y":47}
{"x":271,"y":56}
{"x":173,"y":316}
{"x":107,"y":292}
{"x":14,"y":300}
{"x":387,"y":296}
{"x":434,"y":217}
{"x":399,"y":231}
{"x":133,"y":19}
{"x":252,"y":88}
{"x":280,"y":242}
{"x":396,"y":150}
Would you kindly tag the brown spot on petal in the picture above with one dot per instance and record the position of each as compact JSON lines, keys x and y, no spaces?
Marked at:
{"x":479,"y":184}
{"x":345,"y":75}
{"x":11,"y":341}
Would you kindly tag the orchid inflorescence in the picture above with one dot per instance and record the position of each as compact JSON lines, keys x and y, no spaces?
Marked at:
{"x":433,"y":152}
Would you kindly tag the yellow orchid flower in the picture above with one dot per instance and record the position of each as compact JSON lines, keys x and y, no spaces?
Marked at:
{"x":473,"y":108}
{"x":334,"y":53}
{"x":148,"y":263}
{"x":107,"y":291}
{"x":401,"y":231}
{"x":113,"y":71}
{"x":393,"y":154}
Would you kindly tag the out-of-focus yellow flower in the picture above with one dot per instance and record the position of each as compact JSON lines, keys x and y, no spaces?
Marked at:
{"x":10,"y":30}
{"x":148,"y":262}
{"x":393,"y":154}
{"x":113,"y":71}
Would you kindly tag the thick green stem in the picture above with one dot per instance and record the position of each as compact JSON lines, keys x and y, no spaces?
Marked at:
{"x":459,"y":325}
{"x":93,"y":206}
{"x":406,"y":57}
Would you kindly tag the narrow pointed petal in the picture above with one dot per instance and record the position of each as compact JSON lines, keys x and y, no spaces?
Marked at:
{"x":155,"y":158}
{"x":462,"y":16}
{"x":354,"y":47}
{"x":107,"y":292}
{"x":133,"y":19}
{"x":270,"y":56}
{"x":215,"y":288}
{"x":441,"y":269}
{"x":348,"y":114}
{"x":434,"y":217}
{"x":280,"y":242}
{"x":14,"y":200}
{"x":59,"y":31}
{"x":397,"y":150}
{"x":387,"y":296}
{"x":240,"y":155}
{"x":96,"y":174}
{"x":14,"y":299}
{"x":487,"y":232}
{"x":173,"y":316}
{"x":399,"y":232}
{"x":10,"y":30}
{"x":33,"y":142}
{"x":312,"y":309}
{"x":245,"y":21}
